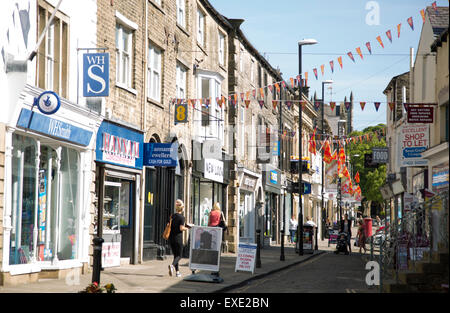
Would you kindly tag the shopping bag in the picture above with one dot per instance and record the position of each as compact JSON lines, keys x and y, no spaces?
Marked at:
{"x":166,"y":232}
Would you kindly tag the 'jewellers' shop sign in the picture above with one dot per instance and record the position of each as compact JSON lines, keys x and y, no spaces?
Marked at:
{"x":119,"y":145}
{"x":214,"y":170}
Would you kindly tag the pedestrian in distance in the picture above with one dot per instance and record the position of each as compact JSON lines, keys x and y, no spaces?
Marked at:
{"x":361,"y":236}
{"x":214,"y":216}
{"x":310,"y":222}
{"x":176,"y":237}
{"x":292,"y":227}
{"x":346,"y":227}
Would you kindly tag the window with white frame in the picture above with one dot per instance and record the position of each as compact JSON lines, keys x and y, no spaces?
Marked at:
{"x":124,"y":44}
{"x":181,"y":13}
{"x":210,"y":117}
{"x":221,"y":49}
{"x":181,"y":81}
{"x":200,"y":27}
{"x":154,"y":73}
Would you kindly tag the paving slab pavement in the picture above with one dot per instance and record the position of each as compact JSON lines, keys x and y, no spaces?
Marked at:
{"x":152,"y":276}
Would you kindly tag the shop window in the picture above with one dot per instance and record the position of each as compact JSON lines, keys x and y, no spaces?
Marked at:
{"x":53,"y":182}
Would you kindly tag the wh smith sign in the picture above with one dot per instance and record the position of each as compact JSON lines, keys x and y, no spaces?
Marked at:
{"x":96,"y":75}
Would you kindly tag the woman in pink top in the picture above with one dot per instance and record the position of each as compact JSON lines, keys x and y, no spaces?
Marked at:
{"x":214,"y":216}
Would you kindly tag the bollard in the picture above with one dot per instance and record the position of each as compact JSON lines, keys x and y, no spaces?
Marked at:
{"x":97,"y":263}
{"x":258,"y":247}
{"x":282,"y":246}
{"x":316,"y":235}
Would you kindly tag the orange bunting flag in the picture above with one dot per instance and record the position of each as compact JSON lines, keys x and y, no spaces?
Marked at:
{"x":322,"y":68}
{"x":247,"y":103}
{"x":422,"y":12}
{"x":277,"y":86}
{"x":357,"y":177}
{"x":340,"y":61}
{"x":235,"y":98}
{"x":359,"y":52}
{"x":332,"y":106}
{"x":275,"y":104}
{"x":327,"y":157}
{"x":334,"y":156}
{"x":363,"y":104}
{"x":391,"y":105}
{"x":247,"y":94}
{"x":389,"y":35}
{"x":380,"y":41}
{"x":261,"y":91}
{"x":342,"y":155}
{"x":312,"y":143}
{"x":306,"y":76}
{"x":223,"y":100}
{"x":292,"y":82}
{"x":410,"y":22}
{"x":399,"y":26}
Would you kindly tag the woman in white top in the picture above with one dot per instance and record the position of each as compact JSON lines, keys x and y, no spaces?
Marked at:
{"x":292,"y":227}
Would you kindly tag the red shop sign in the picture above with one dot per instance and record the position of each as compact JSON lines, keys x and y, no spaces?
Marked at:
{"x":420,"y":114}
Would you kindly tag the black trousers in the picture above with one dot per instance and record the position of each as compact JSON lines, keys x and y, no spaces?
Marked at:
{"x":176,"y":244}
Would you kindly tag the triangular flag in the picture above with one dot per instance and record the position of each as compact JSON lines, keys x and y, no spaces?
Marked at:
{"x":332,"y":66}
{"x":283,"y":84}
{"x":332,"y":106}
{"x":247,"y":94}
{"x":399,"y":26}
{"x":350,"y":55}
{"x":347,"y":105}
{"x":275,"y":104}
{"x":369,"y":47}
{"x":223,"y":100}
{"x":292,"y":82}
{"x":298,"y":80}
{"x":340,"y":61}
{"x":261,"y":91}
{"x":377,"y":105}
{"x":261,"y":103}
{"x":422,"y":12}
{"x":306,"y":77}
{"x":271,"y":88}
{"x":411,"y":23}
{"x":247,"y":103}
{"x":277,"y":86}
{"x":289,"y":104}
{"x":235,"y":98}
{"x":327,"y":157}
{"x":380,"y":41}
{"x":391,"y":105}
{"x":358,"y":50}
{"x":242,"y":97}
{"x":312,"y":143}
{"x":315,"y":72}
{"x":389,"y":35}
{"x":363,"y":104}
{"x":317,"y":105}
{"x":322,"y":68}
{"x":254,"y":93}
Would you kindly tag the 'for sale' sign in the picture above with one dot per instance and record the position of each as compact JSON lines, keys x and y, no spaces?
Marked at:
{"x":413,"y":141}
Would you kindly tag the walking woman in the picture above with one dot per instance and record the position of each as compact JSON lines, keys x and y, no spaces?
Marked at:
{"x":361,"y":236}
{"x":176,"y":237}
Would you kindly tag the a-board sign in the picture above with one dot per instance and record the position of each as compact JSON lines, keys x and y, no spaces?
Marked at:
{"x":246,"y":256}
{"x":205,"y":248}
{"x":111,"y":254}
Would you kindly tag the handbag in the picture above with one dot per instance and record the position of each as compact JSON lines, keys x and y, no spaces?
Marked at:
{"x":166,"y":232}
{"x":222,"y":223}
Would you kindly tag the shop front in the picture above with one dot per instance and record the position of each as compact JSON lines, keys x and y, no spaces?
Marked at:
{"x":272,"y":190}
{"x":248,"y":182}
{"x":119,"y":161}
{"x":47,"y":182}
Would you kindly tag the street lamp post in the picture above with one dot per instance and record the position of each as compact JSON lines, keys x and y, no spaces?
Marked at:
{"x":323,"y":174}
{"x":300,"y":174}
{"x":339,"y":177}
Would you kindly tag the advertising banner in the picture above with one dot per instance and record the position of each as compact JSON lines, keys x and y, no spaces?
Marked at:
{"x":331,"y":177}
{"x":412,"y":142}
{"x":205,"y":248}
{"x":246,"y":256}
{"x":160,"y":154}
{"x":440,"y":178}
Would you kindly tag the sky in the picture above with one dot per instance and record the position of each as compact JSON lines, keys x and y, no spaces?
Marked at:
{"x":275,"y":27}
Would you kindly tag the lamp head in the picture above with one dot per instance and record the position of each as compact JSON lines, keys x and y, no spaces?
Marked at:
{"x":305,"y":42}
{"x":328,"y":81}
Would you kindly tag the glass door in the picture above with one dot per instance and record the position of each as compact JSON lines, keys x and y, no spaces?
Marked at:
{"x":111,"y":207}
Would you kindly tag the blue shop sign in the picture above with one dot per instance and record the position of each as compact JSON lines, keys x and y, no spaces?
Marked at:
{"x":160,"y":154}
{"x":119,"y":146}
{"x":95,"y":74}
{"x":54,"y":128}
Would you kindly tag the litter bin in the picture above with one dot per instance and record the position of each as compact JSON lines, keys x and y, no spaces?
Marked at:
{"x":308,"y":236}
{"x":368,"y":226}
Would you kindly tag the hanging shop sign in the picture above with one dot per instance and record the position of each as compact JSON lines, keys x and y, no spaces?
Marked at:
{"x":53,"y":127}
{"x":440,"y":178}
{"x":420,"y":114}
{"x":413,"y":141}
{"x":181,"y":112}
{"x":380,"y":155}
{"x":95,"y":74}
{"x":272,"y":179}
{"x":213,"y":170}
{"x":160,"y":154}
{"x":205,"y":248}
{"x":48,"y":102}
{"x":248,"y":183}
{"x":119,"y":145}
